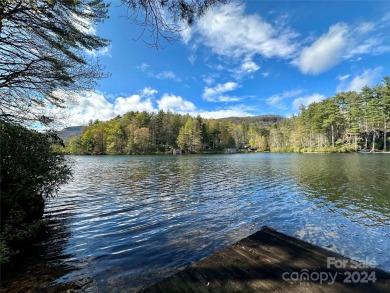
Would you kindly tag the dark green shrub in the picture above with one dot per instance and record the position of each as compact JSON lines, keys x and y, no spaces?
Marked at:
{"x":31,"y":172}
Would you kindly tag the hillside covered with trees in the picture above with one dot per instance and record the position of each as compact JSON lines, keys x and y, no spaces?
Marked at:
{"x":349,"y":121}
{"x":142,"y":132}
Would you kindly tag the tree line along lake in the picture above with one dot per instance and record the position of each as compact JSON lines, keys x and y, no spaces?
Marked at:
{"x":129,"y":221}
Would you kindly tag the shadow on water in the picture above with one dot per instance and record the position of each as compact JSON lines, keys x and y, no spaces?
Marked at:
{"x":36,"y":269}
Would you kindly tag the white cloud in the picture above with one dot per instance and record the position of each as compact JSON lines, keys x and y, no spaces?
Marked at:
{"x":276,"y":100}
{"x":221,"y":88}
{"x":105,"y":51}
{"x":148,"y":92}
{"x":365,"y":27}
{"x":357,"y":59}
{"x":246,"y":68}
{"x":91,"y":105}
{"x":325,"y":52}
{"x":192,"y":58}
{"x":224,"y":98}
{"x":342,"y":42}
{"x":143,"y":67}
{"x":223,"y":113}
{"x":366,"y":78}
{"x":175,"y":103}
{"x":88,"y":106}
{"x":209,"y":80}
{"x":215,"y":94}
{"x":249,"y":67}
{"x":132,"y":103}
{"x":166,"y":75}
{"x":343,"y":77}
{"x":305,"y":101}
{"x":219,"y":67}
{"x":87,"y":27}
{"x":186,"y":34}
{"x":228,"y":31}
{"x":83,"y":24}
{"x":179,"y":105}
{"x":372,"y":45}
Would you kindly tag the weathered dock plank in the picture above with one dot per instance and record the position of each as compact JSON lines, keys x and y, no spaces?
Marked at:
{"x":269,"y":261}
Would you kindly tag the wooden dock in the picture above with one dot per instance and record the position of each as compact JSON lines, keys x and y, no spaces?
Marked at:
{"x":269,"y":261}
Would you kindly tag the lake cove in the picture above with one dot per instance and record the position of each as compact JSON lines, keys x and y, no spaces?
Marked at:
{"x":131,"y":221}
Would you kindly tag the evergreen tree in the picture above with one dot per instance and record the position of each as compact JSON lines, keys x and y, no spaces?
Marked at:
{"x":385,"y":106}
{"x":190,"y":136}
{"x":43,"y":45}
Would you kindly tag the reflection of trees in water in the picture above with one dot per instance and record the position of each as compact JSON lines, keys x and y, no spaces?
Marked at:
{"x":355,"y":182}
{"x":37,"y":268}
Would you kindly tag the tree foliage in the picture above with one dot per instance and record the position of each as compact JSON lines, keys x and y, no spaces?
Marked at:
{"x":142,"y":139}
{"x":43,"y":53}
{"x":44,"y":56}
{"x":347,"y":122}
{"x":30,"y":173}
{"x":190,"y":136}
{"x":142,"y":132}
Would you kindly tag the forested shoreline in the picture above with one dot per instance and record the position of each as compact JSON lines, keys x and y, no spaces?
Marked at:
{"x":349,"y":121}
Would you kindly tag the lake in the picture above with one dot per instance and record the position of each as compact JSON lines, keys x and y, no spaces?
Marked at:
{"x":125,"y":222}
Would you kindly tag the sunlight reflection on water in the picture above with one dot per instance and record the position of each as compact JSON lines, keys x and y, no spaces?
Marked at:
{"x":131,"y":220}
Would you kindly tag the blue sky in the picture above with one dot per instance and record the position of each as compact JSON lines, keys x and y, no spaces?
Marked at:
{"x":258,"y":57}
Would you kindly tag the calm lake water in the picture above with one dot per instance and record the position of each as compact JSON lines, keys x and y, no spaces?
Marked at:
{"x":129,"y":221}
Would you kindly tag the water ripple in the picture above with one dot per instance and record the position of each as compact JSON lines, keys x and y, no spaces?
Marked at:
{"x":130,"y":221}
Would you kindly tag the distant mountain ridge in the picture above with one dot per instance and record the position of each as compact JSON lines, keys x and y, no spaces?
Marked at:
{"x":270,"y":118}
{"x":68,"y":132}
